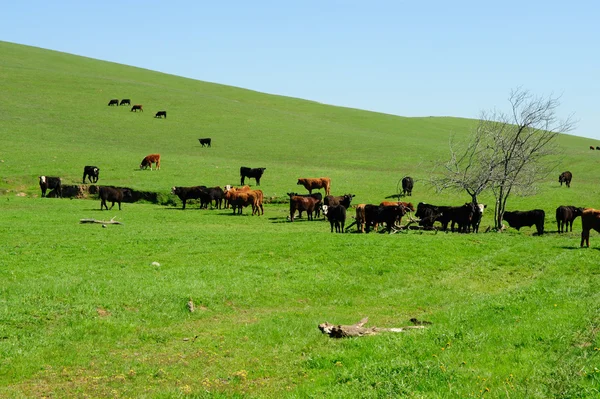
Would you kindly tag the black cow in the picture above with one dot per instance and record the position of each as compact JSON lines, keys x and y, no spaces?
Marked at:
{"x":205,"y":142}
{"x":376,"y":214}
{"x":92,"y":173}
{"x":598,"y":147}
{"x":125,"y":101}
{"x":186,"y":193}
{"x":518,"y":219}
{"x":336,"y":214}
{"x":114,"y":101}
{"x":254,"y":173}
{"x":565,"y":215}
{"x":52,"y":183}
{"x":344,"y":200}
{"x":565,"y":177}
{"x":208,"y":195}
{"x":407,"y":185}
{"x":113,"y":195}
{"x":428,"y":214}
{"x":317,"y":196}
{"x":160,"y":114}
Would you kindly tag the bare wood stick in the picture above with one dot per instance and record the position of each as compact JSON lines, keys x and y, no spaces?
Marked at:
{"x":111,"y":221}
{"x":358,"y":329}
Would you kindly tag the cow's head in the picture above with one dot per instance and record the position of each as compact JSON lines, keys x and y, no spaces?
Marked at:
{"x":127,"y":193}
{"x":42,"y":179}
{"x":174,"y":190}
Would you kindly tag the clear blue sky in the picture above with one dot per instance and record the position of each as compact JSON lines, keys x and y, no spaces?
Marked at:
{"x":410,"y":58}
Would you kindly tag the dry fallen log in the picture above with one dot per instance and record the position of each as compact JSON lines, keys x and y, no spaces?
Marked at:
{"x":103,"y":222}
{"x":358,"y":329}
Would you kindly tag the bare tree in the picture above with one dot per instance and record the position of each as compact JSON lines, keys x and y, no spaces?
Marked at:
{"x":507,"y":153}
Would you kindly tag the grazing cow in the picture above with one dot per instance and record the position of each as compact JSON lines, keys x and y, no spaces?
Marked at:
{"x":113,"y":195}
{"x":125,"y":101}
{"x":114,"y":101}
{"x":408,"y":205}
{"x":336,"y":214}
{"x":565,"y":177}
{"x":52,"y":183}
{"x":477,"y":217}
{"x":374,"y":215}
{"x":317,"y":196}
{"x":160,"y":114}
{"x":205,"y":142}
{"x":315,"y":183}
{"x":149,"y":160}
{"x":407,"y":186}
{"x":301,"y":204}
{"x":187,"y":193}
{"x":137,"y":107}
{"x":211,"y":194}
{"x":92,"y":173}
{"x":590,"y":219}
{"x":591,"y":147}
{"x":598,"y":147}
{"x":518,"y":219}
{"x":344,"y":200}
{"x":254,"y":173}
{"x":565,"y":215}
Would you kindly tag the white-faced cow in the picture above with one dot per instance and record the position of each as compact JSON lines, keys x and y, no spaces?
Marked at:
{"x":52,"y":183}
{"x":92,"y":173}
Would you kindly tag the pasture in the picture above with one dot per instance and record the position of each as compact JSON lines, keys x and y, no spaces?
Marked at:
{"x":85,"y":312}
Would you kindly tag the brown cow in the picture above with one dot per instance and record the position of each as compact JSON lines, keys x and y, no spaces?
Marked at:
{"x":301,"y":204}
{"x":360,"y":217}
{"x":137,"y":107}
{"x":149,"y":160}
{"x":590,"y":219}
{"x":315,"y":183}
{"x":234,"y":189}
{"x":408,"y":205}
{"x":240,"y":199}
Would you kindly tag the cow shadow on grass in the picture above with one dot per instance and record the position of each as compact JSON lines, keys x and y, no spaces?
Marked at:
{"x":577,"y":247}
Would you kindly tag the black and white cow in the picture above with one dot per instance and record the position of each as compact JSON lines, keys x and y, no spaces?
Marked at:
{"x":92,"y":173}
{"x":52,"y":183}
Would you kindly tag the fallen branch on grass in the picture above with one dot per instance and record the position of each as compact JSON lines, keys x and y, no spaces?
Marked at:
{"x":103,"y":222}
{"x":357,"y":330}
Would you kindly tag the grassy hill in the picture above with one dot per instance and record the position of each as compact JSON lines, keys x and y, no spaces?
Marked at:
{"x":84,"y":312}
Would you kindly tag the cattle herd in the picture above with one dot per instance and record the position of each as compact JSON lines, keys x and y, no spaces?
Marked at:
{"x":135,"y":107}
{"x":464,"y":218}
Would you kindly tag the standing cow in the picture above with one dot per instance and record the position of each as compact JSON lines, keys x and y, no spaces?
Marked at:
{"x":255,"y":173}
{"x":113,"y":194}
{"x":205,"y":142}
{"x":407,"y":186}
{"x":315,"y":183}
{"x":92,"y":173}
{"x":52,"y":183}
{"x":590,"y":219}
{"x":565,"y":216}
{"x":565,"y":177}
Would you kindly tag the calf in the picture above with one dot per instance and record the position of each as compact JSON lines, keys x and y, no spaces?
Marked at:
{"x":315,"y":183}
{"x":407,"y":185}
{"x":137,"y":107}
{"x":336,"y":214}
{"x":113,"y":195}
{"x":590,"y":219}
{"x":52,"y":183}
{"x":205,"y":142}
{"x":255,"y":173}
{"x":187,"y":193}
{"x":208,"y":195}
{"x":149,"y":160}
{"x":477,"y":217}
{"x":161,"y":114}
{"x":301,"y":204}
{"x":317,"y":196}
{"x":389,"y":215}
{"x":114,"y":101}
{"x":92,"y":173}
{"x":518,"y":219}
{"x":565,"y":177}
{"x":463,"y":216}
{"x":565,"y":215}
{"x":125,"y":101}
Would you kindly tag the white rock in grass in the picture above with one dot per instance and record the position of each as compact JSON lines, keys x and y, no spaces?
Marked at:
{"x":155,"y":264}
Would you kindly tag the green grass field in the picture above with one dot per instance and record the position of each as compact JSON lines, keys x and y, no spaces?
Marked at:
{"x":85,"y":313}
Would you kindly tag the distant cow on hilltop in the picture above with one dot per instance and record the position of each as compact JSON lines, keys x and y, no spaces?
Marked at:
{"x":149,"y":160}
